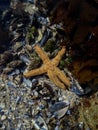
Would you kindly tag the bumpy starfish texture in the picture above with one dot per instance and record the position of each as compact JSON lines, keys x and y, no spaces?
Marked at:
{"x":50,"y":67}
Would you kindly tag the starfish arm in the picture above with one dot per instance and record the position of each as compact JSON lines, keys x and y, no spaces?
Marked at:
{"x":41,"y":53}
{"x":55,"y":80}
{"x":56,"y":60}
{"x":62,"y":76}
{"x":35,"y":72}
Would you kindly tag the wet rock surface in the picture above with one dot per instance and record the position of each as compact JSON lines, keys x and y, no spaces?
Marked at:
{"x":36,"y":103}
{"x":80,"y":25}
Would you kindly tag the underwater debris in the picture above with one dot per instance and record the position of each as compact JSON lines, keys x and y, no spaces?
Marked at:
{"x":39,"y":123}
{"x":24,"y":59}
{"x":59,"y":109}
{"x":45,"y":37}
{"x":28,"y":83}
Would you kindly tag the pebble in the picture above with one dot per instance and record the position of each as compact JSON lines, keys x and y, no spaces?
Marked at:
{"x":3,"y":118}
{"x":2,"y":105}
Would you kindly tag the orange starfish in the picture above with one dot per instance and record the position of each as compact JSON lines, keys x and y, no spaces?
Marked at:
{"x":50,"y":67}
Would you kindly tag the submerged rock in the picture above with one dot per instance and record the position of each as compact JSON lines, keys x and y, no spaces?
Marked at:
{"x":88,"y":112}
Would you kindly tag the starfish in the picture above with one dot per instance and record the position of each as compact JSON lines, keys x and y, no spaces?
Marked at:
{"x":50,"y":67}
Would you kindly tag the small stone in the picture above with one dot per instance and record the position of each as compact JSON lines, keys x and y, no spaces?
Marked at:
{"x":3,"y":118}
{"x":28,"y":47}
{"x":36,"y":94}
{"x":2,"y":105}
{"x":17,"y":46}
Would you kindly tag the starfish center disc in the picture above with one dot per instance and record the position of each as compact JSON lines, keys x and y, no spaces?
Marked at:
{"x":50,"y":66}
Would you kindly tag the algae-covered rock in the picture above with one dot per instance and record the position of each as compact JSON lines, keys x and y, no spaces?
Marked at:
{"x":31,"y":34}
{"x":88,"y":112}
{"x":50,"y":45}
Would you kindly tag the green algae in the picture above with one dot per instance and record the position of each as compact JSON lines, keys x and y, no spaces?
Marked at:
{"x":50,"y":45}
{"x":31,"y":34}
